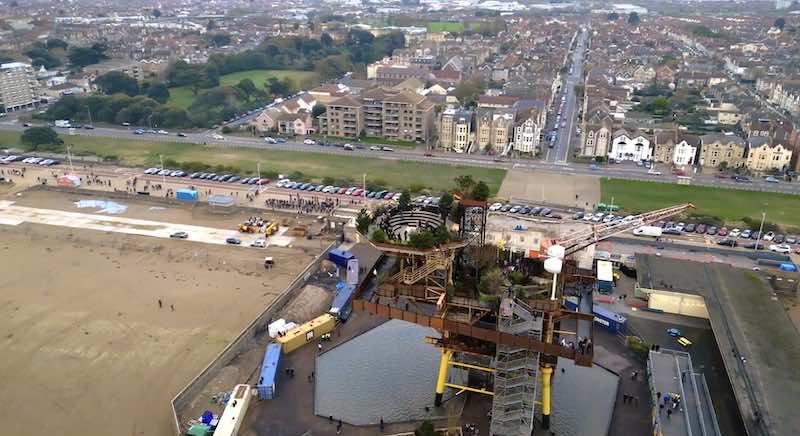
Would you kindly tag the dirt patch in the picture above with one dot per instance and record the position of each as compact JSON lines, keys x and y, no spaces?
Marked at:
{"x":101,"y":329}
{"x":562,"y":189}
{"x":309,"y":304}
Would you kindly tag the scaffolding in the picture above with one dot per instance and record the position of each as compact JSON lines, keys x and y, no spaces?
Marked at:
{"x":516,"y":370}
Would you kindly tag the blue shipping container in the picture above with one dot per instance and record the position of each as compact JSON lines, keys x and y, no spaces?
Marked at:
{"x":342,"y":302}
{"x":269,"y":370}
{"x":340,"y":257}
{"x":788,"y":267}
{"x":610,"y":320}
{"x":186,"y":194}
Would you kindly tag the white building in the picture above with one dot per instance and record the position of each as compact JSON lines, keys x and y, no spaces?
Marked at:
{"x":633,"y":147}
{"x":526,"y":136}
{"x":684,"y":153}
{"x":18,"y":86}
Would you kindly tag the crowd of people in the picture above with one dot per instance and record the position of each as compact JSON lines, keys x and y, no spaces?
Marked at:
{"x":311,"y":205}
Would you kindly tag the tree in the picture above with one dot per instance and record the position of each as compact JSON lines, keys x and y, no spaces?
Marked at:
{"x":363,"y":221}
{"x":467,"y":91}
{"x":378,"y":236}
{"x":82,"y":56}
{"x":445,"y":203}
{"x":158,"y":92}
{"x":464,"y":183}
{"x":318,"y":110}
{"x":780,"y":23}
{"x":156,"y":13}
{"x":633,"y":18}
{"x":219,"y":40}
{"x":480,"y":191}
{"x":278,"y":87}
{"x":40,"y":56}
{"x":492,"y":282}
{"x":326,"y":40}
{"x":613,"y":16}
{"x":52,"y":43}
{"x":38,"y":136}
{"x":422,"y":239}
{"x":247,"y":87}
{"x":115,"y":82}
{"x":404,"y":202}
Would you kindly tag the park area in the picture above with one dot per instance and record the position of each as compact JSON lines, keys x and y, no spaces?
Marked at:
{"x":731,"y":205}
{"x":182,"y":96}
{"x":314,"y":166}
{"x":87,"y":348}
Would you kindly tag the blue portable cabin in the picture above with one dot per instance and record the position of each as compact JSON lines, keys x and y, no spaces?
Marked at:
{"x":186,"y":194}
{"x":610,"y":320}
{"x":269,"y":370}
{"x":340,"y":257}
{"x":342,"y":302}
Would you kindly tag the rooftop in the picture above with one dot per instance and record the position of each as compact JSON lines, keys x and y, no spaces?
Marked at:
{"x":672,"y":373}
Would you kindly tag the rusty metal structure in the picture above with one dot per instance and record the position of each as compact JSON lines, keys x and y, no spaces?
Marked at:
{"x":514,"y":338}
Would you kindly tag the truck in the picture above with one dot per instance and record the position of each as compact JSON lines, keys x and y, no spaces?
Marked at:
{"x":62,"y":123}
{"x":653,"y":231}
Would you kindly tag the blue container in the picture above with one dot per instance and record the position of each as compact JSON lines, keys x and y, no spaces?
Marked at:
{"x":788,"y":267}
{"x":340,"y":257}
{"x":342,"y":302}
{"x":186,"y":194}
{"x":269,"y":370}
{"x":610,"y":320}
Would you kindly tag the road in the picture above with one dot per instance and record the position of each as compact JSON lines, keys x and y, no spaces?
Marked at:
{"x":566,"y":121}
{"x":628,"y":171}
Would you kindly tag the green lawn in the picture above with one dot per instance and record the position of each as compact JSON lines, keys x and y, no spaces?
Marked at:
{"x":395,"y":174}
{"x":729,"y":204}
{"x":182,"y":96}
{"x":445,"y":26}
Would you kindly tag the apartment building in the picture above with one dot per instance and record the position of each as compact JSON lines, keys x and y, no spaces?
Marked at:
{"x":455,"y":130}
{"x":763,"y":156}
{"x":716,"y":149}
{"x":18,"y":86}
{"x":344,"y":118}
{"x":494,"y":128}
{"x":397,"y":114}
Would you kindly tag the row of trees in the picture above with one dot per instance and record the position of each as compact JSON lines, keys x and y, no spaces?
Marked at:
{"x":322,"y":55}
{"x":116,"y":82}
{"x":118,"y":109}
{"x":53,"y":51}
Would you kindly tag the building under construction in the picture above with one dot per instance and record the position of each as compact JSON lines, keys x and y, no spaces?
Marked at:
{"x":508,"y":338}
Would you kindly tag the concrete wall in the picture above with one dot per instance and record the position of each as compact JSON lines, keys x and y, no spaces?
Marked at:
{"x":681,"y":304}
{"x":245,"y":340}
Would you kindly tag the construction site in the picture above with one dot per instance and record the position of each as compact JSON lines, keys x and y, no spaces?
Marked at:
{"x":251,"y":323}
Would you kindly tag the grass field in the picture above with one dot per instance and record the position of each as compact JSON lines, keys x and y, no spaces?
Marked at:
{"x":729,"y":204}
{"x":182,"y":96}
{"x":395,"y":174}
{"x":445,"y":26}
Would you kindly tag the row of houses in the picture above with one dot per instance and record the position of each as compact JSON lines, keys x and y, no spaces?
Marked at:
{"x":499,"y":125}
{"x":758,"y":153}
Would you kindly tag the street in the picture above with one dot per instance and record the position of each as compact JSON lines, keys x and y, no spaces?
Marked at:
{"x":565,"y":118}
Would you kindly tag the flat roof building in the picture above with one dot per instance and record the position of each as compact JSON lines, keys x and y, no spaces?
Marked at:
{"x":18,"y":86}
{"x":671,"y":376}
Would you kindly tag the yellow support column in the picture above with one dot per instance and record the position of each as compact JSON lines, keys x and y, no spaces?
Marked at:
{"x":547,"y":373}
{"x":442,"y":379}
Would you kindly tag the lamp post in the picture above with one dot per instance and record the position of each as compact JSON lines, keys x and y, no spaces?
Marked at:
{"x":761,"y":229}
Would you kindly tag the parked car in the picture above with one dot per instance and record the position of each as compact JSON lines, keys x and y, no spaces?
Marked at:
{"x":233,"y":241}
{"x":728,"y":242}
{"x":723,"y":231}
{"x":259,"y":243}
{"x":700,"y":229}
{"x":791,"y":239}
{"x":778,"y":239}
{"x":689,"y":228}
{"x":506,"y":208}
{"x":515,"y":209}
{"x":712,"y":231}
{"x":771,"y":179}
{"x":769,"y":236}
{"x":179,"y":235}
{"x":577,"y":216}
{"x":735,"y":233}
{"x":495,"y":206}
{"x":780,"y":248}
{"x":746,"y":233}
{"x":674,"y":332}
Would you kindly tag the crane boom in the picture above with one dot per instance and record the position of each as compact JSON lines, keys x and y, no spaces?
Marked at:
{"x":599,"y":232}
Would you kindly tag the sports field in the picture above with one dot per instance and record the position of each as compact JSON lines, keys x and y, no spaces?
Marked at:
{"x":182,"y":95}
{"x":389,"y":173}
{"x":445,"y":26}
{"x":729,"y":204}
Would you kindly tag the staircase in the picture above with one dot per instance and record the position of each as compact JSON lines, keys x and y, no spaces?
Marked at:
{"x":516,"y":370}
{"x":411,"y":274}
